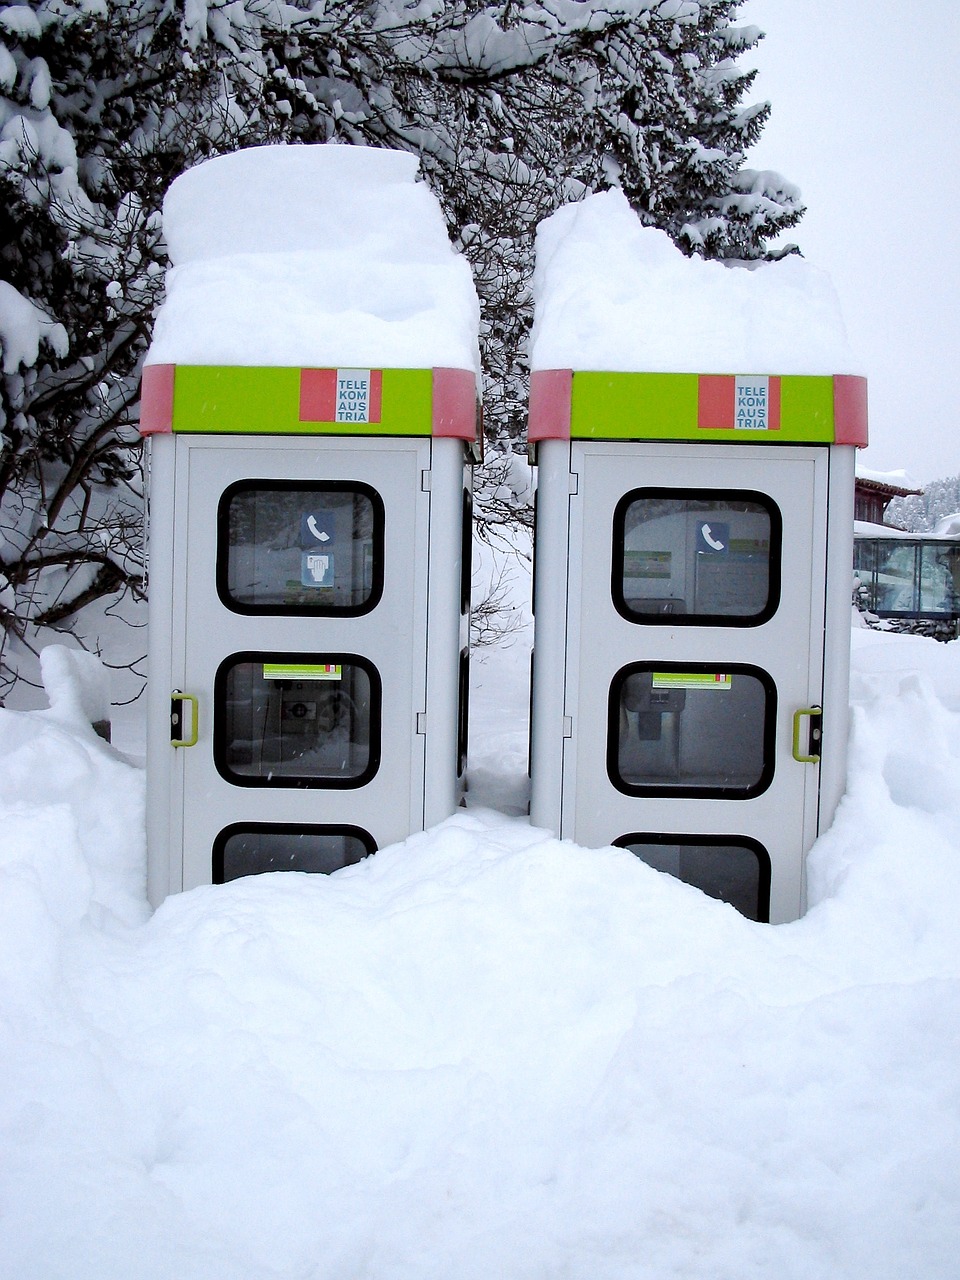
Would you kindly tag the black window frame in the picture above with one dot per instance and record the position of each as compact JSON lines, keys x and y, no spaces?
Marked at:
{"x":680,"y":791}
{"x":292,"y":828}
{"x":300,"y":783}
{"x":300,"y":610}
{"x":673,"y":492}
{"x":748,"y":842}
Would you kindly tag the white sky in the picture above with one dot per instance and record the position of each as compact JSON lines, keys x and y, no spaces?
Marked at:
{"x":866,"y":107}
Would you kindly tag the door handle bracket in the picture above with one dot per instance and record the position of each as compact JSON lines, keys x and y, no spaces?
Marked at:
{"x":178,"y":736}
{"x":814,"y":744}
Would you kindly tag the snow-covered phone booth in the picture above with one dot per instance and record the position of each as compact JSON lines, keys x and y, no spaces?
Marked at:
{"x":310,"y":402}
{"x":695,"y":429}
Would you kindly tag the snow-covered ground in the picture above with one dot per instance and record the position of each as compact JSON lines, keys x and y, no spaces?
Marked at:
{"x":484,"y":1053}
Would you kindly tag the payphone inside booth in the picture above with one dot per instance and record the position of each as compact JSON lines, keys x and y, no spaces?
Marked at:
{"x":307,"y":615}
{"x":692,"y":583}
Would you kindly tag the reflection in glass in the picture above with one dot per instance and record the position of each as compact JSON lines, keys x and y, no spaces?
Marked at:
{"x":290,"y":722}
{"x":940,"y":578}
{"x":897,"y":578}
{"x":698,"y":729}
{"x":299,"y":548}
{"x":735,"y":873}
{"x":252,"y":851}
{"x":694,"y":557}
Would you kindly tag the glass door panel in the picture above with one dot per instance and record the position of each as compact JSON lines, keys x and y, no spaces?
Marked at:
{"x":691,"y":731}
{"x":686,"y":557}
{"x":290,"y":548}
{"x":297,"y":720}
{"x":734,"y":870}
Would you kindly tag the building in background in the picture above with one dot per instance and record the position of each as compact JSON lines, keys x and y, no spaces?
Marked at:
{"x":875,"y":490}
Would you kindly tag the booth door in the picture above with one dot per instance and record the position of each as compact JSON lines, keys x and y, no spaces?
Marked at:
{"x":300,"y":604}
{"x":696,"y":661}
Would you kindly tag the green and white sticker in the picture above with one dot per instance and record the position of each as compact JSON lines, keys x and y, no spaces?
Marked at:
{"x":302,"y":671}
{"x":692,"y":680}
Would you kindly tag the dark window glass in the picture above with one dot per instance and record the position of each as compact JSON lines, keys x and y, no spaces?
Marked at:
{"x":691,"y":730}
{"x":249,"y":850}
{"x":287,"y":547}
{"x":466,"y":552}
{"x":533,"y":573}
{"x":734,"y":869}
{"x":865,"y":568}
{"x":297,"y":720}
{"x":691,"y":556}
{"x":463,"y":711}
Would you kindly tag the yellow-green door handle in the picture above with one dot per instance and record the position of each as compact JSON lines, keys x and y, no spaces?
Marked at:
{"x":814,"y":736}
{"x":178,"y":737}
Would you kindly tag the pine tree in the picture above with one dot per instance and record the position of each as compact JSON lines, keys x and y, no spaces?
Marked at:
{"x":512,"y":110}
{"x":102,"y":111}
{"x":516,"y":110}
{"x":920,"y":513}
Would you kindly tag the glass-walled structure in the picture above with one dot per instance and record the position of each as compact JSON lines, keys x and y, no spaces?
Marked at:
{"x":909,"y":577}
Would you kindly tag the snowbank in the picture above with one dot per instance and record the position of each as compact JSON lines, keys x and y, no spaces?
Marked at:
{"x":613,"y":295}
{"x":484,"y":1052}
{"x":307,"y":255}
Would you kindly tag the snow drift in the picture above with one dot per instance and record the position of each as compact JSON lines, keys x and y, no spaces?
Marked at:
{"x":484,"y":1052}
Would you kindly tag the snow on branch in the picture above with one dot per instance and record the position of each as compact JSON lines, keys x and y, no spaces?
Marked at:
{"x":24,"y":327}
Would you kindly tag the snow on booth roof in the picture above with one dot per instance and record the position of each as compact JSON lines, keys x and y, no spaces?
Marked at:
{"x":632,"y":340}
{"x":312,"y":255}
{"x":613,"y":295}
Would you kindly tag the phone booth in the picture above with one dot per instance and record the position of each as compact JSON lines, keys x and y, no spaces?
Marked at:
{"x":309,"y":598}
{"x":692,"y":609}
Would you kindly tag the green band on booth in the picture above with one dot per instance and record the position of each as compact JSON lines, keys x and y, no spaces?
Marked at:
{"x":235,"y":400}
{"x":664,"y":406}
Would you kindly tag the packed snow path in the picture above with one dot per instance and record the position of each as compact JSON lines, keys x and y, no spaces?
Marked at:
{"x":484,"y":1053}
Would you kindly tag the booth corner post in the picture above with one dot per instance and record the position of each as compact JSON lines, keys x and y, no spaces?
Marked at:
{"x":308,"y":549}
{"x":693,"y":548}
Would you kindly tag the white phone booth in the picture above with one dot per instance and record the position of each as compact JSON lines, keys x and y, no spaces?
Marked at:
{"x":309,"y":599}
{"x":692,"y":605}
{"x":310,"y":398}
